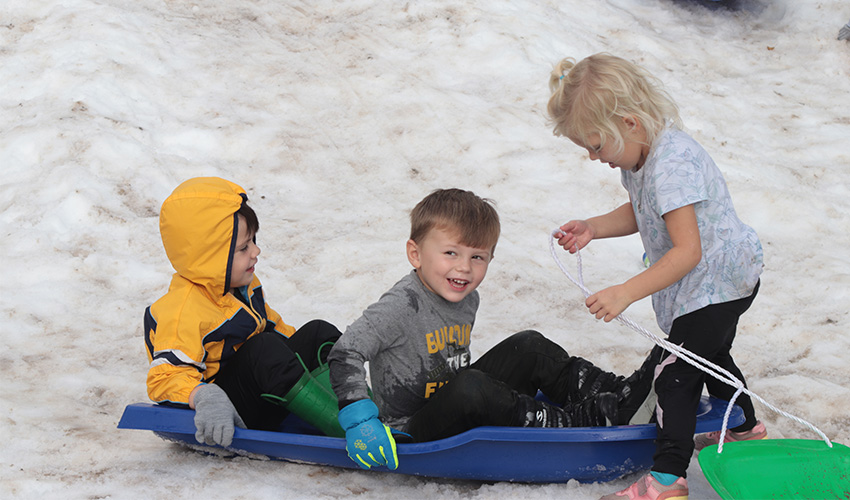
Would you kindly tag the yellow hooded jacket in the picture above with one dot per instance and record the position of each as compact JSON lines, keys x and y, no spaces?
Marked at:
{"x":197,"y":326}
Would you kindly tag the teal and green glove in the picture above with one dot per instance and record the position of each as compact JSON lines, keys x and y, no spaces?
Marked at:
{"x":367,"y":440}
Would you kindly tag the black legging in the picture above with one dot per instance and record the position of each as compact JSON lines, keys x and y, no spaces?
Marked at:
{"x":708,"y":333}
{"x":266,"y":364}
{"x":486,"y":393}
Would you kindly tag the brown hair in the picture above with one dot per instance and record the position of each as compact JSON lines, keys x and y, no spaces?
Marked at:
{"x":251,"y":219}
{"x":474,"y":218}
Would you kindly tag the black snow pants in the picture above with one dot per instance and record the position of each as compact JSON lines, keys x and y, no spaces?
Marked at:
{"x":708,"y":333}
{"x":266,"y":364}
{"x":487,"y":392}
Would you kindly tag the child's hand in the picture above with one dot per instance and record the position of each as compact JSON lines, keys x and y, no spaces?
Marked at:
{"x":215,"y":416}
{"x":607,"y":304}
{"x":369,"y":442}
{"x":575,"y":235}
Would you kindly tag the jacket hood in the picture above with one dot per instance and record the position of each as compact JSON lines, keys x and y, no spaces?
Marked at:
{"x":198,"y":225}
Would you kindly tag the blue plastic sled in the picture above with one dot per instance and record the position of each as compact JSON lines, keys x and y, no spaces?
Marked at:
{"x":586,"y":454}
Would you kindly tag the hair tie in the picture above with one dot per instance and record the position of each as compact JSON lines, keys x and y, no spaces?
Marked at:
{"x":562,"y":77}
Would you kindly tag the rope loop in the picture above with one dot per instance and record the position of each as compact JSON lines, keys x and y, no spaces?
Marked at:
{"x":726,"y":418}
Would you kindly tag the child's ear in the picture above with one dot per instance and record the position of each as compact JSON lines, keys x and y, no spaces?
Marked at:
{"x":631,"y":123}
{"x":413,"y":254}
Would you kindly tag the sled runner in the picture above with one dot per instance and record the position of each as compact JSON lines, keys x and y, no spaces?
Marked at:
{"x":586,"y":454}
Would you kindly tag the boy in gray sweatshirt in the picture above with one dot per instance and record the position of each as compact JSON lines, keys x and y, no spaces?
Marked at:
{"x":416,"y":339}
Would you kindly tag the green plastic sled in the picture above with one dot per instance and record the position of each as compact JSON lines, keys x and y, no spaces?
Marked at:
{"x":778,"y":468}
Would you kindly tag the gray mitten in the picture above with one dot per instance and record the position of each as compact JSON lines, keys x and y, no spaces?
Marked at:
{"x":215,"y":416}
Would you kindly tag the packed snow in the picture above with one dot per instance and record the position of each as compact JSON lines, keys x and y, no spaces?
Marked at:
{"x":337,"y":117}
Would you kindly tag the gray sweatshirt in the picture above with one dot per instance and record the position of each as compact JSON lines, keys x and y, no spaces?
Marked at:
{"x":414,"y":340}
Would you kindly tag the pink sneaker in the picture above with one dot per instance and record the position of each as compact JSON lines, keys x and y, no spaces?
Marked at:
{"x":648,"y":488}
{"x":757,"y":432}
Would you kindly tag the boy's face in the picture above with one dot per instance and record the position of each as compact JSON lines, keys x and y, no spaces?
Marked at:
{"x":446,"y":266}
{"x":244,"y":257}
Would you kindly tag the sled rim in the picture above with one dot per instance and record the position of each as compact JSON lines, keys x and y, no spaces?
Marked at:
{"x":777,"y":468}
{"x":537,"y":455}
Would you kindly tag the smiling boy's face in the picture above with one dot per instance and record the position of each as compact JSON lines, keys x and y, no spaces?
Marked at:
{"x":447,"y":267}
{"x":244,"y":256}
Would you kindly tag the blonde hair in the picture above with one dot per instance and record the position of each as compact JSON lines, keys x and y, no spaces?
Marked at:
{"x":590,"y":97}
{"x":474,"y":218}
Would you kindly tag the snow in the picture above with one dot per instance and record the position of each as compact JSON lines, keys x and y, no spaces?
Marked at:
{"x":337,"y":117}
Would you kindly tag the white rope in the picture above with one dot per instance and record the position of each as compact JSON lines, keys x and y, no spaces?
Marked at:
{"x":726,"y":420}
{"x":683,"y":354}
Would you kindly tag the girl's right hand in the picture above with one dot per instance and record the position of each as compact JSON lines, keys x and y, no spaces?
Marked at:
{"x":575,"y":235}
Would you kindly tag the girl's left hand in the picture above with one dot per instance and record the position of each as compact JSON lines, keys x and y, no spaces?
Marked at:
{"x":607,"y":304}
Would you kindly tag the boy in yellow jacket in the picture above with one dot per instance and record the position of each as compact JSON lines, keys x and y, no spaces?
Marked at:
{"x":213,"y":343}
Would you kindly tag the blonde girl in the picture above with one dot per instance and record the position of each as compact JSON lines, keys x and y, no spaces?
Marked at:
{"x":705,"y":262}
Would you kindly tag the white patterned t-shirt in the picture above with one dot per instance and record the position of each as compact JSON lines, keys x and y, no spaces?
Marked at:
{"x":679,"y":172}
